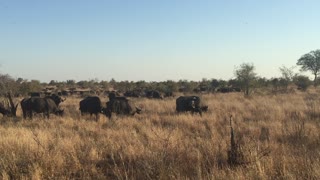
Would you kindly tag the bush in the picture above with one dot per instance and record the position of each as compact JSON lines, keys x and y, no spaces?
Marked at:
{"x":303,"y":82}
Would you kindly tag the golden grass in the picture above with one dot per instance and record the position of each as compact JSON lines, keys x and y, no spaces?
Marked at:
{"x":161,"y":144}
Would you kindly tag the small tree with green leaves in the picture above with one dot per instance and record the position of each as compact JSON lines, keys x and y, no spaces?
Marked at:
{"x":311,"y":62}
{"x":246,"y":76}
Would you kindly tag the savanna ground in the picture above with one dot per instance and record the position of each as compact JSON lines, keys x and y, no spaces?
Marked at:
{"x":278,"y":135}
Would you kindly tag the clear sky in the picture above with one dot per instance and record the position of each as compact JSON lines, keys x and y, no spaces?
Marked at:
{"x":153,"y":40}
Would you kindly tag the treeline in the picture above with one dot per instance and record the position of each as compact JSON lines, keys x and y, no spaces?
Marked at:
{"x":245,"y":79}
{"x":22,"y":87}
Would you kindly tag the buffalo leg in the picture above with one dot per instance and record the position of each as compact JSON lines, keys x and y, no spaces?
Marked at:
{"x":97,"y":117}
{"x":24,"y":114}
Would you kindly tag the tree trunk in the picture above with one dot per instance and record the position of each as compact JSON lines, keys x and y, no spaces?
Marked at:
{"x":315,"y":79}
{"x":13,"y":108}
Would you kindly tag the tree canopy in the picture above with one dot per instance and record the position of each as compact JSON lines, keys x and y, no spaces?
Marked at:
{"x":311,"y":62}
{"x":246,"y":76}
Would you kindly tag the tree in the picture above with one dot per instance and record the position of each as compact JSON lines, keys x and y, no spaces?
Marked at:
{"x":171,"y":86}
{"x":141,"y":84}
{"x":232,"y":83}
{"x":83,"y":84}
{"x":7,"y":84}
{"x":214,"y":83}
{"x":311,"y":62}
{"x":287,"y":75}
{"x":104,"y":84}
{"x":262,"y":82}
{"x":33,"y":86}
{"x":187,"y":86}
{"x":52,"y":82}
{"x":71,"y":82}
{"x":246,"y":76}
{"x":20,"y":80}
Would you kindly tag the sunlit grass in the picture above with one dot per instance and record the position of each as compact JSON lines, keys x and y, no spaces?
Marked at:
{"x":161,"y":144}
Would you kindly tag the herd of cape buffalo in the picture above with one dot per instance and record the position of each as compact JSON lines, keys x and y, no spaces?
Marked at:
{"x":119,"y":105}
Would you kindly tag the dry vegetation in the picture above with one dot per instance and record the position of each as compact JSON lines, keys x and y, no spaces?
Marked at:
{"x":278,"y":138}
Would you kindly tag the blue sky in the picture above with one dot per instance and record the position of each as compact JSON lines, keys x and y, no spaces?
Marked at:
{"x":153,"y":40}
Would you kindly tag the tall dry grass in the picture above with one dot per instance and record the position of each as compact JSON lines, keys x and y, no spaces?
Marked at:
{"x":278,"y":135}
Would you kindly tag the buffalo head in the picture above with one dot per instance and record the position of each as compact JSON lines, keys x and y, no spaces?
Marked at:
{"x":4,"y":111}
{"x":59,"y":112}
{"x":57,"y":99}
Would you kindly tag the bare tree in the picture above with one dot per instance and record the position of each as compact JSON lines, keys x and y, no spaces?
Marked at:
{"x":287,"y":75}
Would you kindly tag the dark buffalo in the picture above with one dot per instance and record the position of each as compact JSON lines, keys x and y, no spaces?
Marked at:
{"x":228,"y":89}
{"x":46,"y":105}
{"x":201,"y":89}
{"x":39,"y":105}
{"x":196,"y":90}
{"x":168,"y":94}
{"x":133,"y":93}
{"x":236,"y":89}
{"x":47,"y":93}
{"x":153,"y":94}
{"x":65,"y":93}
{"x":57,"y":99}
{"x":11,"y":108}
{"x":92,"y":105}
{"x":4,"y":111}
{"x":35,"y":94}
{"x":189,"y":103}
{"x":117,"y":93}
{"x":120,"y":105}
{"x":224,"y":90}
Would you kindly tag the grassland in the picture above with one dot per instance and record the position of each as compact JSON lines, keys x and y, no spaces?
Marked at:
{"x":278,"y":135}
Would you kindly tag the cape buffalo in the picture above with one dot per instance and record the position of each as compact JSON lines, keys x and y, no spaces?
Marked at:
{"x":44,"y":105}
{"x":35,"y":94}
{"x":39,"y":105}
{"x":133,"y":93}
{"x":4,"y":111}
{"x":120,"y":105}
{"x":11,"y":110}
{"x":228,"y":89}
{"x":92,"y":105}
{"x":190,"y":103}
{"x":168,"y":94}
{"x":57,"y":99}
{"x":153,"y":94}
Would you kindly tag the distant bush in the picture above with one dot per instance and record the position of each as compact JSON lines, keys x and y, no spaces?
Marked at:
{"x":303,"y":82}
